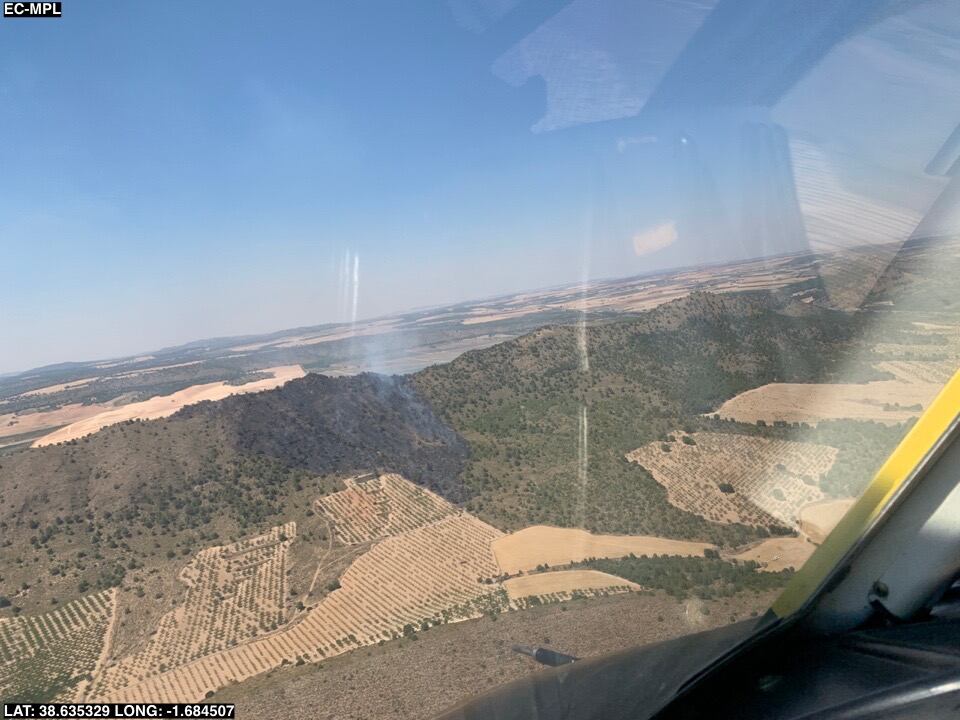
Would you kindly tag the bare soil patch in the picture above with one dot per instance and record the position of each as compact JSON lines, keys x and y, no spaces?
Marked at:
{"x":51,"y":389}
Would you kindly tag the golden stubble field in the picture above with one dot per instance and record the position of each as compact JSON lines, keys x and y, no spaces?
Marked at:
{"x":564,"y":584}
{"x":524,"y":550}
{"x":914,"y":385}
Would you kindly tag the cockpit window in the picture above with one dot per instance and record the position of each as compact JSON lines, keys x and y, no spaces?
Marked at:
{"x":360,"y":358}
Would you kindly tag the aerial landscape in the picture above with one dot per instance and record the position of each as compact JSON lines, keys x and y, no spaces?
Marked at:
{"x":360,"y":359}
{"x":259,"y":518}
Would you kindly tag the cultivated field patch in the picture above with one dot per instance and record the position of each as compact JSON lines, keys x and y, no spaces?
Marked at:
{"x":439,"y":573}
{"x":561,"y":585}
{"x":637,"y":295}
{"x":738,"y":478}
{"x":166,"y":405}
{"x":26,"y":422}
{"x":48,"y":656}
{"x":60,"y":387}
{"x":919,"y":372}
{"x":234,"y":593}
{"x":376,"y":507}
{"x":779,"y":553}
{"x":818,"y":519}
{"x":885,"y":401}
{"x":429,"y":564}
{"x":543,"y":545}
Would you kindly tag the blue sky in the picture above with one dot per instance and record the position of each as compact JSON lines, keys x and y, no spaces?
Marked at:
{"x":179,"y":170}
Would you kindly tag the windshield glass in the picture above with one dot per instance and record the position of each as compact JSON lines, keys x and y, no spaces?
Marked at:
{"x":355,"y":355}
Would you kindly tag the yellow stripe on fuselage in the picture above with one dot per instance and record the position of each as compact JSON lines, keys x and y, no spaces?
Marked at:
{"x":899,"y":467}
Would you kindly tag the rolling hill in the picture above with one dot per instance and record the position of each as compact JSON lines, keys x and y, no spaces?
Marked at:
{"x":548,"y":438}
{"x":81,"y":514}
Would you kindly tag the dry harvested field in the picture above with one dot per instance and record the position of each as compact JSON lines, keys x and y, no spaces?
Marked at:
{"x":20,"y":423}
{"x":48,"y":653}
{"x":818,"y":519}
{"x":938,"y":328}
{"x":477,"y":319}
{"x":563,"y":585}
{"x":771,"y":479}
{"x":234,"y":593}
{"x":525,"y":549}
{"x":375,"y":507}
{"x":811,"y":403}
{"x":779,"y":553}
{"x":165,"y":405}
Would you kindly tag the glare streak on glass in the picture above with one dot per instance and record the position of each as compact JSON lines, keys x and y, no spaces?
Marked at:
{"x":583,"y":464}
{"x":349,"y":286}
{"x":355,"y":279}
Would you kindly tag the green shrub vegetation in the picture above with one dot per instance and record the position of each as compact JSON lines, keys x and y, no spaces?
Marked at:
{"x":548,"y":437}
{"x":683,"y":577}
